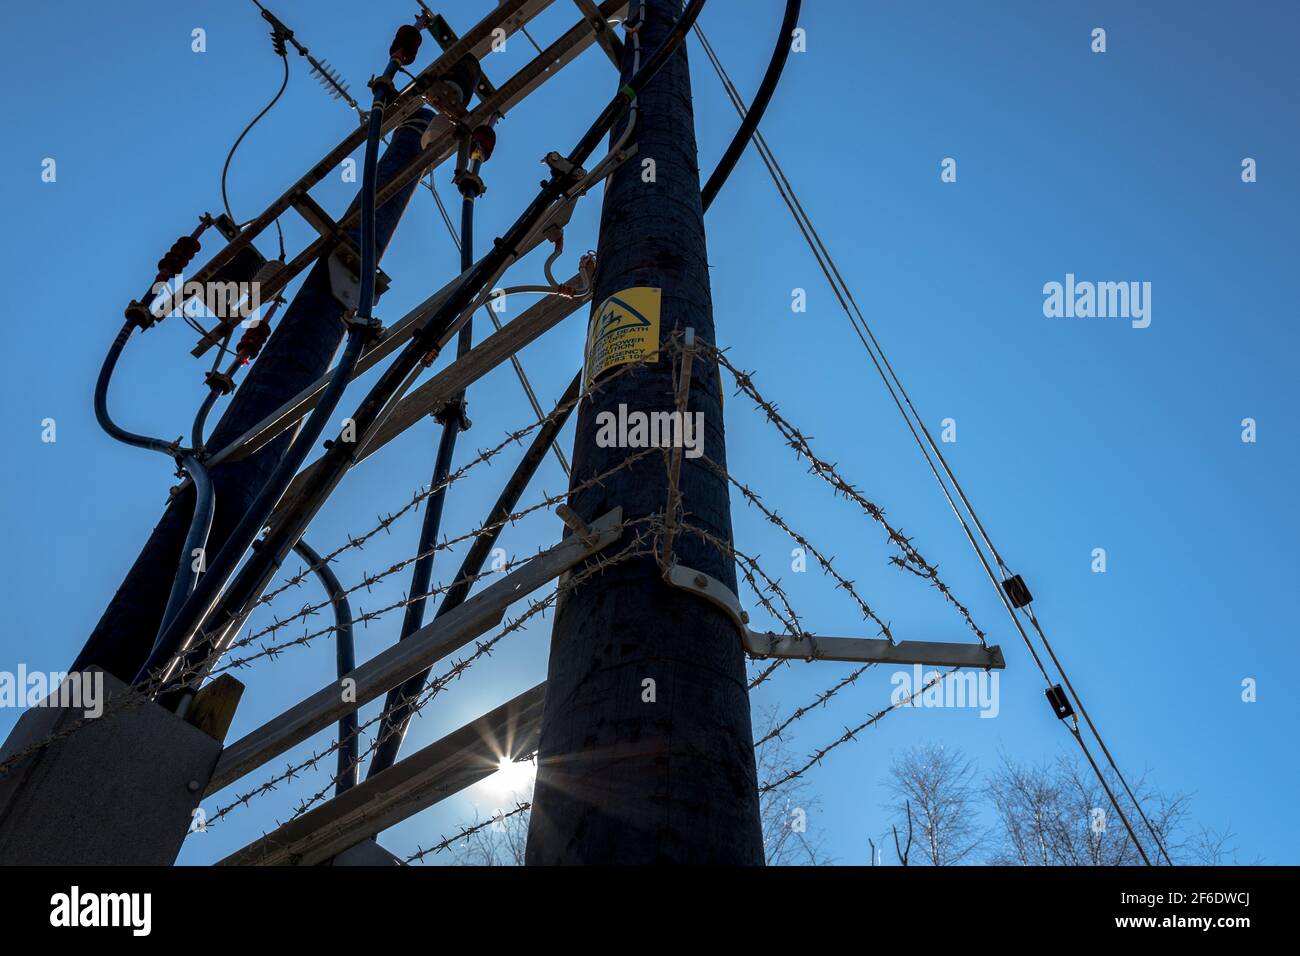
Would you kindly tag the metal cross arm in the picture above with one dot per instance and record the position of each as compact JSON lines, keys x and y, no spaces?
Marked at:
{"x":421,"y":650}
{"x":477,"y":42}
{"x":610,"y":43}
{"x":859,"y":650}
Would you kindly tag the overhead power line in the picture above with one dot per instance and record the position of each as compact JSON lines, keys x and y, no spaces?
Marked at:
{"x":926,"y":445}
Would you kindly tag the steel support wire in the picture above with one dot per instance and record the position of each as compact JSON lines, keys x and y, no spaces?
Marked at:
{"x":345,"y":653}
{"x":197,"y":610}
{"x":914,"y":422}
{"x":429,"y":339}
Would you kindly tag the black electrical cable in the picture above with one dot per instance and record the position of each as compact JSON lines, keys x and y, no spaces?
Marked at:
{"x":205,"y":596}
{"x":278,"y":41}
{"x":775,"y":67}
{"x":345,"y":662}
{"x":196,"y":539}
{"x":226,"y":609}
{"x":204,"y":496}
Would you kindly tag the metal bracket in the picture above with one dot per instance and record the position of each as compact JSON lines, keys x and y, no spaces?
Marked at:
{"x":446,"y":37}
{"x":345,"y":260}
{"x":608,"y":41}
{"x":859,"y":650}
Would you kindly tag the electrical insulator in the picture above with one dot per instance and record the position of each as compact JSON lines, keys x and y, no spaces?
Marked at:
{"x":267,"y":271}
{"x":481,"y":144}
{"x":178,"y":257}
{"x":405,"y":45}
{"x":1017,"y":591}
{"x":1060,"y":703}
{"x":254,"y":337}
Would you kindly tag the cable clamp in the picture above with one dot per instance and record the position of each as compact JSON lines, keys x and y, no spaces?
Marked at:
{"x":219,"y":381}
{"x":1017,"y":591}
{"x":470,"y":184}
{"x":139,"y":315}
{"x":372,"y":327}
{"x":454,"y":411}
{"x":383,"y":87}
{"x":1059,"y":701}
{"x":563,"y":166}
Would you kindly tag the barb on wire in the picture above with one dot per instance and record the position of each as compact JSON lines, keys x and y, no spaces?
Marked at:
{"x":466,"y":832}
{"x":366,"y":616}
{"x":841,"y":582}
{"x":594,"y":566}
{"x":911,"y":558}
{"x":850,"y":733}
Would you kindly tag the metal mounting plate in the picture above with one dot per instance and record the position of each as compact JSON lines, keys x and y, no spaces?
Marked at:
{"x":817,"y":647}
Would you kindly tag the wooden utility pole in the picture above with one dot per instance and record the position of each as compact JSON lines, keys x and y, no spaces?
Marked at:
{"x":646,"y":751}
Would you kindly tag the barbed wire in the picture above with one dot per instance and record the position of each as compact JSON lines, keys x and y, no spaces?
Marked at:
{"x":830,"y":474}
{"x":466,"y":832}
{"x":595,"y":565}
{"x":800,"y":712}
{"x":842,"y":582}
{"x":851,"y":734}
{"x":195,"y":673}
{"x":511,"y":438}
{"x":374,"y":578}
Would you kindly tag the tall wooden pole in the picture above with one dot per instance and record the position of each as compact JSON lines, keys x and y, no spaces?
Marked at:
{"x":646,"y":751}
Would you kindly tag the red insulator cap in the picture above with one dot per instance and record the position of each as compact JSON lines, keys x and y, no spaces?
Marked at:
{"x":483,"y":140}
{"x":405,"y":45}
{"x":254,"y":337}
{"x":178,"y":257}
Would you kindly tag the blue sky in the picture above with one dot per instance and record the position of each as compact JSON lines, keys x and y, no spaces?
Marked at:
{"x":1072,"y":434}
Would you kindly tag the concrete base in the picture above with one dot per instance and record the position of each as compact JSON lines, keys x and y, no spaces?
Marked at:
{"x":119,"y":790}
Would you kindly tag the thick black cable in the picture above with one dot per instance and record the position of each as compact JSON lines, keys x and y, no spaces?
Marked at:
{"x":775,"y":67}
{"x":345,"y":661}
{"x":196,"y":536}
{"x":208,"y":593}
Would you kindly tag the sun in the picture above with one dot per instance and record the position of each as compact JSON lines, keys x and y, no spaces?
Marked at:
{"x":511,"y":777}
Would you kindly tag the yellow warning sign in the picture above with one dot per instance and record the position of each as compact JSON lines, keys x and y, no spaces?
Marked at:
{"x":624,"y":329}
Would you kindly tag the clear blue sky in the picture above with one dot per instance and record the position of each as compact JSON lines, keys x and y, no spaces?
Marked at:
{"x":1073,"y":434}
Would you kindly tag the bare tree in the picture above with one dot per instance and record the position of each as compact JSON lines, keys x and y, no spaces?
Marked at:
{"x":785,"y":810}
{"x":501,"y":843}
{"x":1211,"y":847}
{"x":1058,"y":814}
{"x":936,"y":785}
